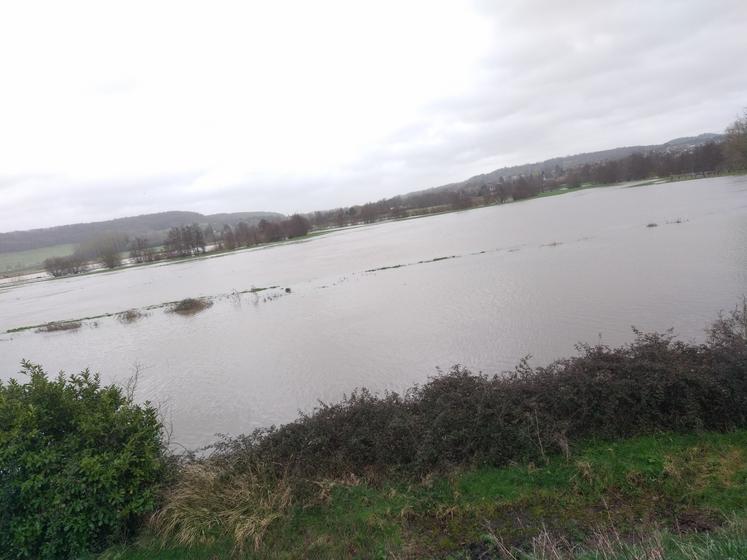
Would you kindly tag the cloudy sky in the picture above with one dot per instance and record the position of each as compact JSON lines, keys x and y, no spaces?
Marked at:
{"x":110,"y":109}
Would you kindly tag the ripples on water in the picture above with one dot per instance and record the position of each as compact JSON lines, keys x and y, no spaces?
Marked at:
{"x":378,"y":306}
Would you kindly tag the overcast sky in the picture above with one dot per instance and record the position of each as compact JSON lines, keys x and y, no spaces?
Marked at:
{"x":110,"y":109}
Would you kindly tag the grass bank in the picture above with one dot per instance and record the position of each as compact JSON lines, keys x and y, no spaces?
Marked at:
{"x":658,"y":492}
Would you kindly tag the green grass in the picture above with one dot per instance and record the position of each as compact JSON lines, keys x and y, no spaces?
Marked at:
{"x":729,"y":542}
{"x":566,"y":190}
{"x":663,"y":490}
{"x":33,"y":258}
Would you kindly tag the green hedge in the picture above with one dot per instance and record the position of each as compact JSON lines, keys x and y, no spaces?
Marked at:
{"x":79,"y":465}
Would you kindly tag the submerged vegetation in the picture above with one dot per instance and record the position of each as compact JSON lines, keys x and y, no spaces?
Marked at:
{"x":60,"y":326}
{"x":437,"y":259}
{"x":130,"y":316}
{"x":634,"y":448}
{"x":187,"y":306}
{"x":190,"y":306}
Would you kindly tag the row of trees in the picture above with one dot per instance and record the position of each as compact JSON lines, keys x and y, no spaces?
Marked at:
{"x":192,"y":240}
{"x":724,"y":156}
{"x":180,"y":241}
{"x":185,"y":241}
{"x":245,"y":235}
{"x":707,"y":158}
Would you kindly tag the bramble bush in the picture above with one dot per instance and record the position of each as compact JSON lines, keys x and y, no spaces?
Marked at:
{"x":655,"y":383}
{"x":80,"y":464}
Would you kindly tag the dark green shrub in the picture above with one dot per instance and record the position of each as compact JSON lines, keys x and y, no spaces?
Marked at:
{"x":79,"y":465}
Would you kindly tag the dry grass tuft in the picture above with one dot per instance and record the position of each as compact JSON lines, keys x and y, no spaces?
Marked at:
{"x":207,"y":503}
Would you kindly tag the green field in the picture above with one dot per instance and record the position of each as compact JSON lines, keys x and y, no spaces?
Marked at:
{"x":32,"y":259}
{"x":679,"y":496}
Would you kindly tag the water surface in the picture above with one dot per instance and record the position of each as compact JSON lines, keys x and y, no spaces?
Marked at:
{"x":379,"y":305}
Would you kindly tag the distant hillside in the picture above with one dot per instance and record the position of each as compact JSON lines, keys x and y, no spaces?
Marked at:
{"x":154,"y":226}
{"x":567,"y":163}
{"x":147,"y":225}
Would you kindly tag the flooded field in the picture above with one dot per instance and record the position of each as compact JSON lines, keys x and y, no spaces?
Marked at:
{"x":385,"y":305}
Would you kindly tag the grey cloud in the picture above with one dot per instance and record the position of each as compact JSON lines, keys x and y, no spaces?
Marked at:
{"x":563,"y":77}
{"x":542,"y":98}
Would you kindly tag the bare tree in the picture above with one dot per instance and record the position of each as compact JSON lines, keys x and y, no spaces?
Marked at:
{"x":735,"y":144}
{"x":106,"y":249}
{"x":63,"y":266}
{"x":296,"y":226}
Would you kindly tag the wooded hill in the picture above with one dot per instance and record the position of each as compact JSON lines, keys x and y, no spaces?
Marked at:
{"x":146,"y":225}
{"x":561,"y":165}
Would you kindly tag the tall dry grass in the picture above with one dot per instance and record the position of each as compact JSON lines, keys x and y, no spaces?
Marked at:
{"x":208,"y":502}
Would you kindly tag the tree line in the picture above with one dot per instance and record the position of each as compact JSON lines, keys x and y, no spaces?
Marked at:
{"x":191,"y":240}
{"x":729,"y":155}
{"x":109,"y":250}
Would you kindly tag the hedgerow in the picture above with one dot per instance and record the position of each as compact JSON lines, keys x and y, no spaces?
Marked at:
{"x":655,"y":383}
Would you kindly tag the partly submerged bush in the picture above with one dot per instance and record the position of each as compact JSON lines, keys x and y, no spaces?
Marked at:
{"x":79,"y":464}
{"x":190,"y":306}
{"x":60,"y":326}
{"x":62,"y":266}
{"x":130,"y":316}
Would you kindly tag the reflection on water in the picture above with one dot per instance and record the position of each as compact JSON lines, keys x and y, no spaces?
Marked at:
{"x":379,"y":306}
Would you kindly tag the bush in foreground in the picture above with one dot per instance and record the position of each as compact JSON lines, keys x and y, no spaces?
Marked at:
{"x":79,"y":464}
